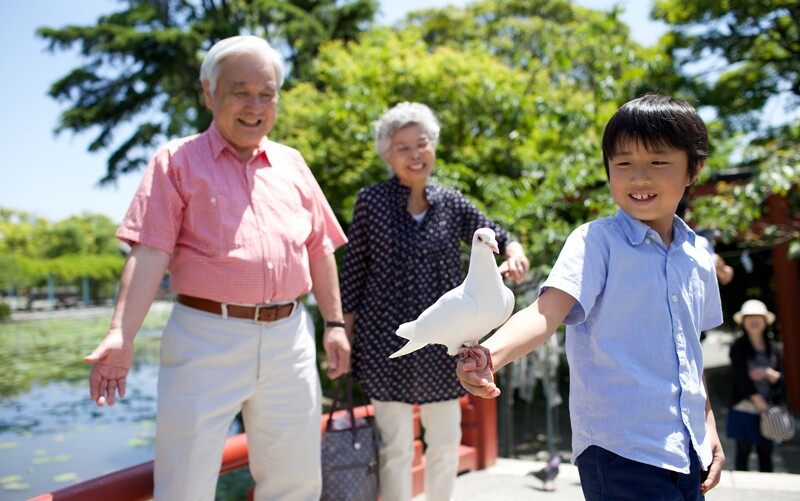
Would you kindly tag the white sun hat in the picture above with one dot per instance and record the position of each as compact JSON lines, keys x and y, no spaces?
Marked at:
{"x":753,"y":307}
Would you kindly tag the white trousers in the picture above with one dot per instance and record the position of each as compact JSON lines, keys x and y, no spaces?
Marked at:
{"x":211,"y":368}
{"x":441,"y":423}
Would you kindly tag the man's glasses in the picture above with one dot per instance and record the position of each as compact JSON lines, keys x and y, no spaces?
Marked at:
{"x":403,"y":149}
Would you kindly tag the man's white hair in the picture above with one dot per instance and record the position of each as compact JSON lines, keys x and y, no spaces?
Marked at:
{"x":245,"y":44}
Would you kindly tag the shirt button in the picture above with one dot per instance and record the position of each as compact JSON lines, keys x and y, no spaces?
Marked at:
{"x":263,"y":229}
{"x":256,"y":197}
{"x":647,"y":241}
{"x":674,"y":298}
{"x":270,"y":265}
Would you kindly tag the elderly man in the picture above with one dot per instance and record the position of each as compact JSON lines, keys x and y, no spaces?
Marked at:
{"x":244,"y":230}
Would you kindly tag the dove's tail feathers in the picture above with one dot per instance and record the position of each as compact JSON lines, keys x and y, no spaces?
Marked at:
{"x":410,"y":347}
{"x":405,"y":330}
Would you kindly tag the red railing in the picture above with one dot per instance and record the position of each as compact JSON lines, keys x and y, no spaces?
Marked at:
{"x":478,"y":450}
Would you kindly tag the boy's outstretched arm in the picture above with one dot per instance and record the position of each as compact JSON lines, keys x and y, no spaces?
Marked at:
{"x":717,"y":454}
{"x":524,"y":331}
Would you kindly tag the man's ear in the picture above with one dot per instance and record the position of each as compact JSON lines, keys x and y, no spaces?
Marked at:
{"x":207,"y":93}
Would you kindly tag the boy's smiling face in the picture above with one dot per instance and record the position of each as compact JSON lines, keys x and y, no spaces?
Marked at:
{"x":648,"y":185}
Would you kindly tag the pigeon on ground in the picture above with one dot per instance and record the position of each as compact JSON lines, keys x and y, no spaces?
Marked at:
{"x":549,"y":473}
{"x":462,"y":316}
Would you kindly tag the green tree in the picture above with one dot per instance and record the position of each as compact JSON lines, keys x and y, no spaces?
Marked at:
{"x":142,"y":62}
{"x":521,"y":140}
{"x":749,"y":52}
{"x":33,"y":249}
{"x":735,"y":56}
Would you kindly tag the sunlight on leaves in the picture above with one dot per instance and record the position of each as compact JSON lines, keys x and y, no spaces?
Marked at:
{"x":8,"y":445}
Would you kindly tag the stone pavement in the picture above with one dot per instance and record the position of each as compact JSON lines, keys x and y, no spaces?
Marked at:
{"x":508,"y":480}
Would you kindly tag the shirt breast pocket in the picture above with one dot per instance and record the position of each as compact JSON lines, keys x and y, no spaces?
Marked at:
{"x":217,"y":223}
{"x":299,"y":223}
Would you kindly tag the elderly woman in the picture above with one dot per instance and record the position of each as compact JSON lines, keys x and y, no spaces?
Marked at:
{"x":757,"y":382}
{"x":403,"y":254}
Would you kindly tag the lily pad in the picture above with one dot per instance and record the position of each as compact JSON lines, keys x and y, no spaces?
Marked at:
{"x":66,"y":477}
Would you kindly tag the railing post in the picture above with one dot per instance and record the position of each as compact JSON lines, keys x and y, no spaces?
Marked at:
{"x":486,"y":429}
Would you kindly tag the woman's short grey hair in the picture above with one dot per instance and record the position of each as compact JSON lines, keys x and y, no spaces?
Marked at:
{"x":234,"y":46}
{"x":401,"y":116}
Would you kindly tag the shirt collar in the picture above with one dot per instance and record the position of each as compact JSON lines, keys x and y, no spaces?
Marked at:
{"x":219,"y":144}
{"x":433,"y":193}
{"x":636,"y":231}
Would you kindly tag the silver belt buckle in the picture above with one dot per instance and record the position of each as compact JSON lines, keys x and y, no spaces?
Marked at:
{"x":255,"y":315}
{"x":258,"y":308}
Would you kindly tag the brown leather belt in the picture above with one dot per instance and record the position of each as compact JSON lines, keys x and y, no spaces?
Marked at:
{"x":256,"y":313}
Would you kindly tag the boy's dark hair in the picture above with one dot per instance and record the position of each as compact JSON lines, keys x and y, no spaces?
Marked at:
{"x":655,"y":121}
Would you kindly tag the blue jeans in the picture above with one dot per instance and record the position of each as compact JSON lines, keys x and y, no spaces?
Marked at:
{"x":606,"y":476}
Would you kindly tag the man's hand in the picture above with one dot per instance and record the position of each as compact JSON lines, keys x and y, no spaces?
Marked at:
{"x":111,"y":361}
{"x":337,"y":350}
{"x":474,"y":372}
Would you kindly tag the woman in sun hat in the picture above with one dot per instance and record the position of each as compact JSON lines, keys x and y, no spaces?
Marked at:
{"x":756,"y":365}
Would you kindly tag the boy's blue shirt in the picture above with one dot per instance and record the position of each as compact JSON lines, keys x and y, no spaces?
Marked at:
{"x":633,"y":339}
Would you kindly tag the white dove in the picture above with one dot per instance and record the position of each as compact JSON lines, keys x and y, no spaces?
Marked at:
{"x":470,"y":311}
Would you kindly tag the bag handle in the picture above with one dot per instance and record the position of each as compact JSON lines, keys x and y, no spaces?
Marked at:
{"x":345,"y":386}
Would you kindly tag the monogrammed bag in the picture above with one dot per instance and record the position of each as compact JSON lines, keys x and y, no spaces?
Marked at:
{"x":349,"y":453}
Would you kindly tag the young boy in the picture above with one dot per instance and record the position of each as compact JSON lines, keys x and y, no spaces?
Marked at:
{"x":635,"y":291}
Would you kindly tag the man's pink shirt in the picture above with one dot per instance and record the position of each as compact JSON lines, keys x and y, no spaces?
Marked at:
{"x":237,"y":232}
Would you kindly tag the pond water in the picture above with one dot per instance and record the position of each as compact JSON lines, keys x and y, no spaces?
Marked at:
{"x":54,"y":435}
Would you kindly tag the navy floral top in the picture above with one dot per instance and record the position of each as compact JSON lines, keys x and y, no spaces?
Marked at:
{"x":393,"y":269}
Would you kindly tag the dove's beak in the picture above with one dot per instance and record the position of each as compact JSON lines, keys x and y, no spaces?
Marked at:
{"x":493,"y":245}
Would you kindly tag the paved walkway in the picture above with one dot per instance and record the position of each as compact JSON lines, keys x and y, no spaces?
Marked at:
{"x":508,"y":479}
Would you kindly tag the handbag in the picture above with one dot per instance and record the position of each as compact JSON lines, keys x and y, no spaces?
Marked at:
{"x":349,"y":453}
{"x":777,"y":424}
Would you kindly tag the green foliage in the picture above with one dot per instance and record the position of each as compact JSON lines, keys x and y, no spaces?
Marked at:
{"x":736,"y":56}
{"x":142,"y":63}
{"x":521,"y":125}
{"x":749,"y":49}
{"x":33,"y":250}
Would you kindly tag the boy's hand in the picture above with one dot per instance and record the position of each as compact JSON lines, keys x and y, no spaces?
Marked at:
{"x":715,"y":468}
{"x":474,"y":371}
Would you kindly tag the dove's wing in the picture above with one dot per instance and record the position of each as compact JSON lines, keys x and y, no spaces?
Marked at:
{"x":409,"y":347}
{"x":451,"y":323}
{"x":509,"y":298}
{"x":446,"y":322}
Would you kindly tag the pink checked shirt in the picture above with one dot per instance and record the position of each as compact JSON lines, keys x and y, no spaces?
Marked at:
{"x":237,"y":232}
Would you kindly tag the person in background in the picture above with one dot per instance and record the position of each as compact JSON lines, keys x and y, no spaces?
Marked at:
{"x":635,"y":291}
{"x":245,"y":231}
{"x":404,"y":252}
{"x":756,"y":366}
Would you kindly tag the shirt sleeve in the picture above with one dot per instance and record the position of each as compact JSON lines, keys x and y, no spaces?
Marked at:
{"x":357,"y":257}
{"x":327,"y":234}
{"x":155,"y":215}
{"x":580,"y":271}
{"x":712,"y":313}
{"x":475,"y":219}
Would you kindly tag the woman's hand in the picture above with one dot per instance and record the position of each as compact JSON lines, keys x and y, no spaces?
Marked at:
{"x":515,"y":268}
{"x":761,"y":373}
